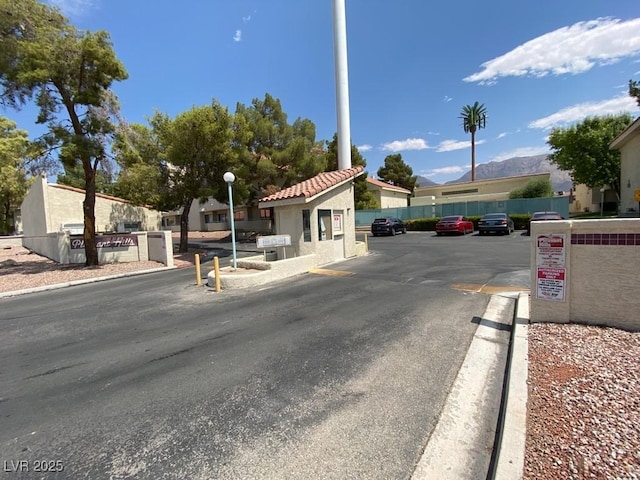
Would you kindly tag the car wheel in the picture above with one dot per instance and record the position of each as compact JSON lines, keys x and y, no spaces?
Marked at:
{"x":392,"y":231}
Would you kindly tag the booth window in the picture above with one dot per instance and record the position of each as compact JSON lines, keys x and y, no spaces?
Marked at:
{"x":324,"y":225}
{"x":306,"y":225}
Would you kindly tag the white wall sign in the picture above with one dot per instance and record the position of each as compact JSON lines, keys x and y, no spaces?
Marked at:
{"x":551,"y":283}
{"x":550,"y":250}
{"x":273,"y":241}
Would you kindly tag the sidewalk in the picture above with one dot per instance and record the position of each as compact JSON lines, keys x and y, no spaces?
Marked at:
{"x":487,"y":402}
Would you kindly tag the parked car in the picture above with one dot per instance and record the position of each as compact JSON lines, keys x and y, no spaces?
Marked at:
{"x":454,"y":224}
{"x":495,"y":222}
{"x":387,"y":226}
{"x":537,"y":216}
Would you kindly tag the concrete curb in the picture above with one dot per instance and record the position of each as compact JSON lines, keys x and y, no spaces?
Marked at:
{"x":510,"y":464}
{"x":72,"y":283}
{"x":461,"y":444}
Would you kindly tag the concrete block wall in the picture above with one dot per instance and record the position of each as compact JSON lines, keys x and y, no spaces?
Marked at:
{"x":586,"y":271}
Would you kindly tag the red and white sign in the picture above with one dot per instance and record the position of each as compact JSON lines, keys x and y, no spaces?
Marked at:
{"x":550,"y":250}
{"x":551,"y":283}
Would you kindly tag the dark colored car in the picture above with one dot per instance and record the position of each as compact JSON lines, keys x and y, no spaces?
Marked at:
{"x":387,"y":226}
{"x":537,"y":216}
{"x":454,"y":224}
{"x":495,"y":222}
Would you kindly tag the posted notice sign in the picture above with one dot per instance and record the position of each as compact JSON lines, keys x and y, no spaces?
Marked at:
{"x":551,"y":283}
{"x":550,"y":250}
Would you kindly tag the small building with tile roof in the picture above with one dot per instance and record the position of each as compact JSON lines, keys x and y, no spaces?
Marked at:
{"x":387,"y":195}
{"x":318,"y":214}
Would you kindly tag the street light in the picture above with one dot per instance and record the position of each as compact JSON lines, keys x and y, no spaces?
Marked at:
{"x":229,"y":178}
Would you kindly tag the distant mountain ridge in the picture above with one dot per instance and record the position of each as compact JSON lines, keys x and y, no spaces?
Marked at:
{"x":513,"y":167}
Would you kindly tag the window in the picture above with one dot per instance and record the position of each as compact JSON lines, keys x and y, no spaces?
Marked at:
{"x":324,"y":225}
{"x":238,"y":215}
{"x":265,"y":213}
{"x":222,"y":217}
{"x":306,"y":225}
{"x":208,"y":218}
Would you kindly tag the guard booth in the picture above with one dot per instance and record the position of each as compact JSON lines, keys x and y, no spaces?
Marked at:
{"x":319,"y":215}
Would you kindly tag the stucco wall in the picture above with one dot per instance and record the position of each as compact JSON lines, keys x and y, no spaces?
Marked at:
{"x":34,"y":215}
{"x":601,"y":261}
{"x":65,"y":206}
{"x":390,"y":199}
{"x":629,"y":176}
{"x":494,"y":189}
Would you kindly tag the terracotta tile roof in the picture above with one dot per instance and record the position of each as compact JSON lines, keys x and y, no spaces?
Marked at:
{"x":79,"y":190}
{"x":314,"y":185}
{"x":388,"y":186}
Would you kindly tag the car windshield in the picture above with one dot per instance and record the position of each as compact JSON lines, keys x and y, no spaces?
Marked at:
{"x":380,"y":220}
{"x":545,"y":215}
{"x":454,"y":218}
{"x":494,"y":216}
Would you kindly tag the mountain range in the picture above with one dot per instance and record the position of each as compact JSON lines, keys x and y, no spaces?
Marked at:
{"x":513,"y":167}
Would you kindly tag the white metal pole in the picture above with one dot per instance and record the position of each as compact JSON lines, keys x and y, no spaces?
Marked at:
{"x":342,"y":83}
{"x":233,"y":227}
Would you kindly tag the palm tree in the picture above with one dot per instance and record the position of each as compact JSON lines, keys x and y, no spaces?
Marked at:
{"x":473,"y":117}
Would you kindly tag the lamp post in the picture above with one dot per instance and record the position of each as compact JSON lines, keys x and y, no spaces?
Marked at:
{"x":602,"y":202}
{"x":229,"y":178}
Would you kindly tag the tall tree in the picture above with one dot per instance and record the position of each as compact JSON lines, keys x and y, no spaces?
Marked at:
{"x":276,"y":154}
{"x":197,"y":148}
{"x":583,"y":150}
{"x":364,"y":199}
{"x":474,"y":117}
{"x":14,"y":146}
{"x":634,"y":90}
{"x":397,"y":172}
{"x":69,"y":74}
{"x":138,"y":154}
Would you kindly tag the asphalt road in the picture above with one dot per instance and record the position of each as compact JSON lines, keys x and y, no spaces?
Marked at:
{"x":334,"y":375}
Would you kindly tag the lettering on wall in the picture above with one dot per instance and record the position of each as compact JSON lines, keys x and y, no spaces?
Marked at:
{"x":107,"y":241}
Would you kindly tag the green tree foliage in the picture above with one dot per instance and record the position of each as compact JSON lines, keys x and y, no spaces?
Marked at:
{"x":397,"y":172}
{"x":138,"y":154}
{"x":364,"y":199}
{"x":536,"y":188}
{"x":634,"y":90}
{"x":275,"y":153}
{"x":197,"y":147}
{"x":583,"y":150}
{"x":68,"y":73}
{"x":14,"y":145}
{"x":474,"y":117}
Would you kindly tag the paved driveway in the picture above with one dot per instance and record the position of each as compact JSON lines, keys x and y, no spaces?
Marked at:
{"x":324,"y":375}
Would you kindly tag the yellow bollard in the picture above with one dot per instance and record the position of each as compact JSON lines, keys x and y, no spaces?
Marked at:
{"x":198,"y":275}
{"x":366,"y":242}
{"x":216,"y":269}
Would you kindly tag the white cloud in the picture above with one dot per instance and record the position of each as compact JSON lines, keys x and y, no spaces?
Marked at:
{"x":246,"y":19}
{"x":575,"y":113}
{"x":521,"y":152}
{"x":573,"y":49}
{"x":408,"y":144}
{"x":238,"y":36}
{"x":364,"y":148}
{"x":451,"y":145}
{"x":447,"y":98}
{"x":502,"y":135}
{"x":73,"y":8}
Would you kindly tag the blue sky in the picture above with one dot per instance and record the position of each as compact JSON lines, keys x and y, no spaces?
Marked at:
{"x":413,"y":65}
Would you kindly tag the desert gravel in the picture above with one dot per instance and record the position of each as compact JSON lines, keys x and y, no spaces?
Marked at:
{"x":583,"y":413}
